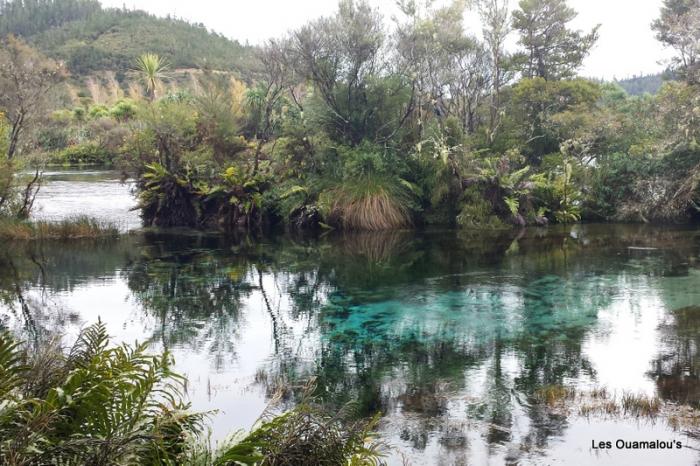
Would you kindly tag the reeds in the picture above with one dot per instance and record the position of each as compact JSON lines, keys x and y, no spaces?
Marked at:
{"x":71,"y":228}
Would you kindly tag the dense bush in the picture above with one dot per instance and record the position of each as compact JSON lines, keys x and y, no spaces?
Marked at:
{"x":88,"y":153}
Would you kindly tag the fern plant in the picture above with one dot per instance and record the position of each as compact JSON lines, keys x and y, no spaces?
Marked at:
{"x":109,"y":406}
{"x":101,"y":405}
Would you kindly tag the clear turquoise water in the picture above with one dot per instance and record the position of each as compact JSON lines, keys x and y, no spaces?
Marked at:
{"x":447,"y":334}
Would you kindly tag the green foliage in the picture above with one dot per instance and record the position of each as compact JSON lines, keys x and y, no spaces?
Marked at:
{"x":91,"y":405}
{"x":328,"y":129}
{"x":87,"y":153}
{"x":306,"y":435}
{"x":70,"y":228}
{"x":559,"y":194}
{"x":119,"y":405}
{"x":640,"y":85}
{"x":123,"y":111}
{"x":678,"y":28}
{"x":166,"y":199}
{"x":25,"y":18}
{"x":98,"y":111}
{"x":371,"y":195}
{"x":79,"y":114}
{"x":52,"y":138}
{"x":4,"y":134}
{"x":478,"y":213}
{"x":552,"y":51}
{"x":153,"y":69}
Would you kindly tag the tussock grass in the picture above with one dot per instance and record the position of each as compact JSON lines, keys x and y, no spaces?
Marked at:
{"x":72,"y":228}
{"x":368,"y":206}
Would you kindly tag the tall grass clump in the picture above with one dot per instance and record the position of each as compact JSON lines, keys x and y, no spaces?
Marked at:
{"x":80,"y":227}
{"x":370,"y":196}
{"x":368,"y":205}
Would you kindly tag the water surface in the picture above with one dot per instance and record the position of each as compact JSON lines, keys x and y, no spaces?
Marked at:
{"x":101,"y":194}
{"x":448,"y":334}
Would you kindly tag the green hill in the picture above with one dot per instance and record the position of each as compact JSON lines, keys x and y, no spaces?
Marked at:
{"x":90,"y":38}
{"x":639,"y":85}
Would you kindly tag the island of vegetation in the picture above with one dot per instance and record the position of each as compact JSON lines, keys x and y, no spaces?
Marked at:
{"x":351,"y":121}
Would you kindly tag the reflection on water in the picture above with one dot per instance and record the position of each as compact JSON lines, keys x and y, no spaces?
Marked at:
{"x":99,"y":194}
{"x":448,"y":334}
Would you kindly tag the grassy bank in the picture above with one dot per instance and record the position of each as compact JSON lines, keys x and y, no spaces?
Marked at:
{"x":72,"y":228}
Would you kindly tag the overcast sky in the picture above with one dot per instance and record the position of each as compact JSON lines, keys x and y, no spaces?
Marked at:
{"x":626,"y":47}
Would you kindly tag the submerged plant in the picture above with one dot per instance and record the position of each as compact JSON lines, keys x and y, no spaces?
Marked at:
{"x":307,"y":434}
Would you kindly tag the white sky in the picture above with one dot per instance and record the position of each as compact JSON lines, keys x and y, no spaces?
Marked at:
{"x":626,"y":47}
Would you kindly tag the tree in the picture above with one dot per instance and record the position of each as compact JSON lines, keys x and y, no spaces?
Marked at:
{"x":340,"y":55}
{"x":274,"y":76}
{"x":446,"y":67}
{"x":153,"y":69}
{"x":536,"y":106}
{"x":26,"y":78}
{"x":496,"y":27}
{"x":552,"y":51}
{"x":679,"y":28}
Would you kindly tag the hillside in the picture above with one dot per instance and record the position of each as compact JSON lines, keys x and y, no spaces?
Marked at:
{"x":90,"y":38}
{"x":639,"y":85}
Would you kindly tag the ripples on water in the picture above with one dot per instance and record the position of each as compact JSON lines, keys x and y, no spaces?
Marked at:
{"x":448,"y":334}
{"x":100,"y":194}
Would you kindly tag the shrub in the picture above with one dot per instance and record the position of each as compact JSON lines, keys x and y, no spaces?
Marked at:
{"x":307,"y":434}
{"x":52,"y":138}
{"x":87,"y":153}
{"x":124,"y":110}
{"x":91,"y":404}
{"x":98,"y":111}
{"x":478,"y":213}
{"x":79,"y":114}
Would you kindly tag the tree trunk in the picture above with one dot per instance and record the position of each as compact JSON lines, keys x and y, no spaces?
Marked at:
{"x":17,"y":126}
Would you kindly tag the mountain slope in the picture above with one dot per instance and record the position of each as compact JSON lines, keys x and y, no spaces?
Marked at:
{"x":89,"y":38}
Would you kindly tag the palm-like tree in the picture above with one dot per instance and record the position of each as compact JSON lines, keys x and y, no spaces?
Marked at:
{"x":153,"y":68}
